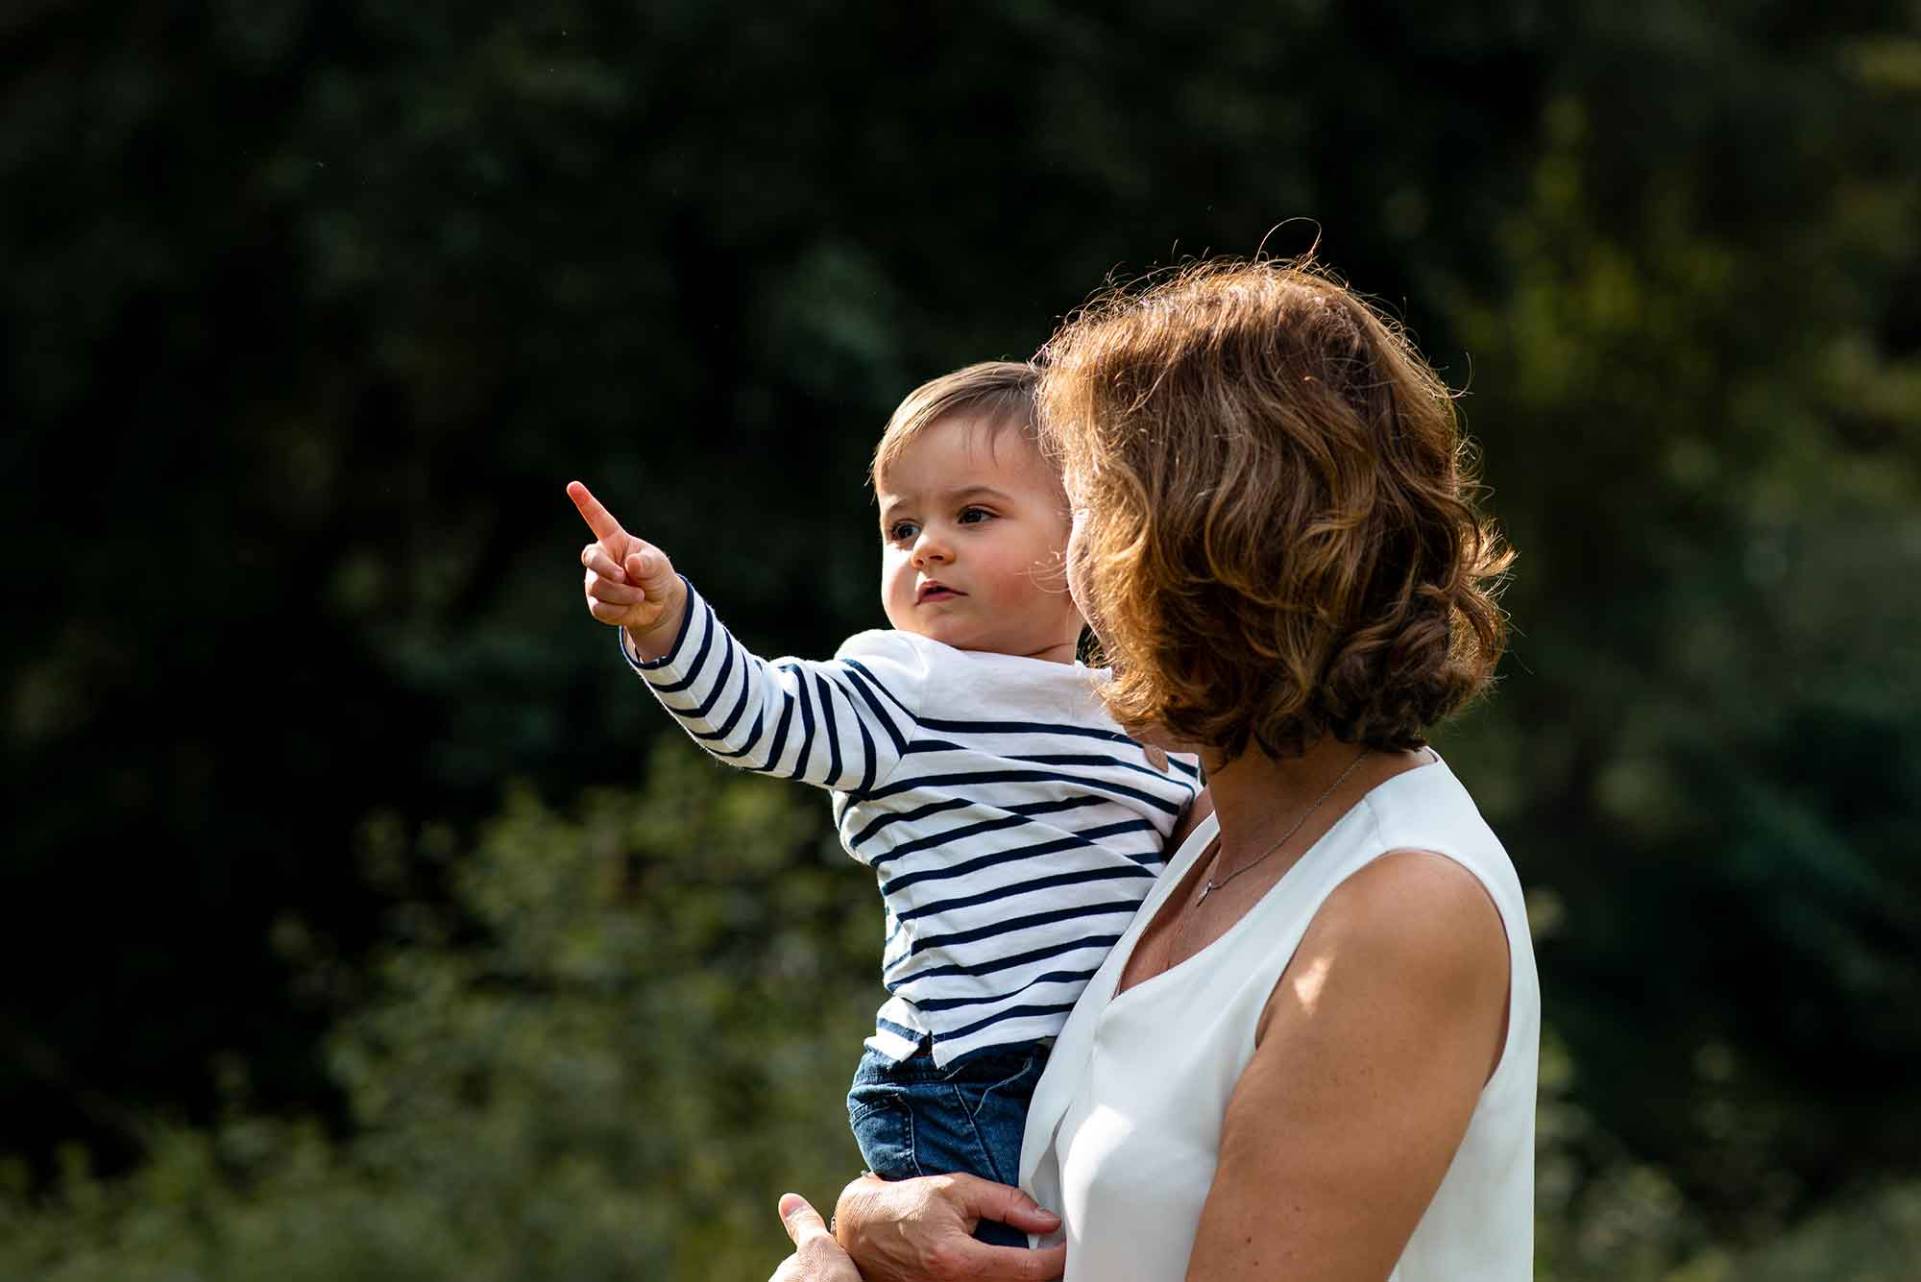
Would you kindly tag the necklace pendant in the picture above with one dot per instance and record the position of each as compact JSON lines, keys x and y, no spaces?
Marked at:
{"x":1206,"y":890}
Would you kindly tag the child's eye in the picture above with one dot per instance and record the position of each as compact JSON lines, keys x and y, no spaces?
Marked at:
{"x":901,"y":531}
{"x":974,"y":515}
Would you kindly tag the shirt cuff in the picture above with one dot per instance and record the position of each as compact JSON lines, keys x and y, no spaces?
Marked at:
{"x":692,"y":604}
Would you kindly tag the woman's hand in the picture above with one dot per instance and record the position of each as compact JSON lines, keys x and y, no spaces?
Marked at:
{"x":817,"y":1257}
{"x":922,"y":1230}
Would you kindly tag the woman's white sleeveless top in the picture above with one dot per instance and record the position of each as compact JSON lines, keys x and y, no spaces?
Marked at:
{"x":1125,"y":1127}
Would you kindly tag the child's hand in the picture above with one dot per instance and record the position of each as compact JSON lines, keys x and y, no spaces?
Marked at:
{"x":630,"y":582}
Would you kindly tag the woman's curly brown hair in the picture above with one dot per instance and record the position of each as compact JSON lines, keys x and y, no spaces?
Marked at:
{"x":1278,"y":538}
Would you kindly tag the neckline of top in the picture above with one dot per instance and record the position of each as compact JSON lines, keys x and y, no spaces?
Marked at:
{"x":1183,"y":862}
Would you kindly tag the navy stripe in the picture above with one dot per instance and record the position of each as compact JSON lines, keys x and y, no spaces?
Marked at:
{"x":1012,"y":924}
{"x":806,"y":753}
{"x":748,"y":745}
{"x":961,"y":869}
{"x":1071,"y":841}
{"x":1004,"y":963}
{"x":1028,"y":808}
{"x":1072,"y":759}
{"x":713,"y":696}
{"x":1052,"y":807}
{"x":880,"y":685}
{"x":1012,"y":1012}
{"x":1027,"y":888}
{"x":780,"y":733}
{"x":888,"y":1026}
{"x":919,"y":812}
{"x":1191,"y":773}
{"x":747,"y":675}
{"x":827,"y":723}
{"x":867,"y":752}
{"x":1055,"y":759}
{"x":855,"y":679}
{"x":1023,"y":776}
{"x":1022,"y":727}
{"x":700,"y":655}
{"x":1051,"y":977}
{"x":952,"y":834}
{"x":1123,"y":825}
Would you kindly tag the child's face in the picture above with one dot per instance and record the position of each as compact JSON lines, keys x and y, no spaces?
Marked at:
{"x":973,"y":525}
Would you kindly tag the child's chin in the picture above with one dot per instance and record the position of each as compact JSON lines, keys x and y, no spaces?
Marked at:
{"x":960,"y":637}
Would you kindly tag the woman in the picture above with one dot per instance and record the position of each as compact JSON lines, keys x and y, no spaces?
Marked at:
{"x":1313,"y":1054}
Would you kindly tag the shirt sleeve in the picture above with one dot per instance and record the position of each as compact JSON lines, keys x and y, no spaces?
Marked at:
{"x":842,"y":724}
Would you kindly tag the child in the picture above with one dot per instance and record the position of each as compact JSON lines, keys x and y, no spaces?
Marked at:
{"x":1013,"y":827}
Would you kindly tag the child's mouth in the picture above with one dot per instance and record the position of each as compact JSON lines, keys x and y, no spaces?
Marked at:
{"x":937,"y":592}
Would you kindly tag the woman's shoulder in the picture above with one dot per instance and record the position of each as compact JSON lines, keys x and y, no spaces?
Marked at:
{"x":1410,"y":911}
{"x":1428,"y":906}
{"x":1412,"y":938}
{"x":1430,"y":809}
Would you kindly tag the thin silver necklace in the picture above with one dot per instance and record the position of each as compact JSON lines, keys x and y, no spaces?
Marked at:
{"x":1211,"y":885}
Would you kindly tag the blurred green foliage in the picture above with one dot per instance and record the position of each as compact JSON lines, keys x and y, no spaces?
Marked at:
{"x":621,"y":1040}
{"x":309,"y":311}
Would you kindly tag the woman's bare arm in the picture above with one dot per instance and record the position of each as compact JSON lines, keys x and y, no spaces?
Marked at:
{"x":1369,"y":1060}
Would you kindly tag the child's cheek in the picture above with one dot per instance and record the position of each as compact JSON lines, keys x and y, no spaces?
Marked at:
{"x":1077,"y":567}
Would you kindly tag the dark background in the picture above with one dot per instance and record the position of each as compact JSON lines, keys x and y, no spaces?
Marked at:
{"x":310,"y":311}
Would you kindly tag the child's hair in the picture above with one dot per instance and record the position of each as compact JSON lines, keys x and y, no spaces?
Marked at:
{"x":1279,"y":532}
{"x":999,"y":393}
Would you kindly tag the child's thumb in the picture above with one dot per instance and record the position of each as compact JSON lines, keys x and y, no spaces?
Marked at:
{"x":646,"y":568}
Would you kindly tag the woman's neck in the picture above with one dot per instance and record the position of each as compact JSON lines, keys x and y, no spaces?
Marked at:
{"x":1258,"y":796}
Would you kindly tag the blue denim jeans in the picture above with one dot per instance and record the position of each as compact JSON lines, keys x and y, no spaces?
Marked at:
{"x":913,"y":1118}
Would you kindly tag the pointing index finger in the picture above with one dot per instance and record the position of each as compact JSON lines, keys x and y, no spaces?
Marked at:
{"x":598,"y":518}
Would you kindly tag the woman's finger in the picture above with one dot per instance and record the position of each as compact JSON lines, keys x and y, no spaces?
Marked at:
{"x":985,"y":1200}
{"x":801,"y":1220}
{"x":1011,"y":1263}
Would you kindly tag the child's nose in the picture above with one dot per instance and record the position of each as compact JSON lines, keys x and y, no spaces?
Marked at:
{"x":931,"y":549}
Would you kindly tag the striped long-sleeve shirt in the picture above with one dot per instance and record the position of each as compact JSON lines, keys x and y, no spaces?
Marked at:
{"x":1013,"y":827}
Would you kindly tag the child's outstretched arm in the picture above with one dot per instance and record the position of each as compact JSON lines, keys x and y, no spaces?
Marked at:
{"x":842,"y":724}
